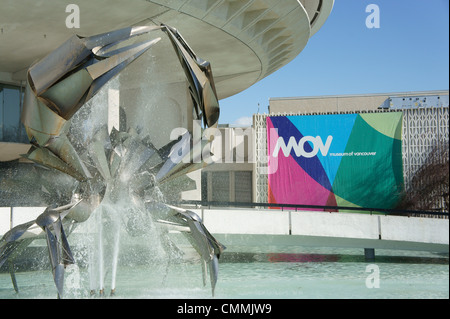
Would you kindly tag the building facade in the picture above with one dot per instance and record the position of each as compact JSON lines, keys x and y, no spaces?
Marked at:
{"x":424,"y":126}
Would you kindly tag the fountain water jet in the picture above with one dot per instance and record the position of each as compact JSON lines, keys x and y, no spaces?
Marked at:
{"x":113,"y":172}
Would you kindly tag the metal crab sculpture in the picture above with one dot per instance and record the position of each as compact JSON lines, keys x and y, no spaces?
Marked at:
{"x":57,"y":87}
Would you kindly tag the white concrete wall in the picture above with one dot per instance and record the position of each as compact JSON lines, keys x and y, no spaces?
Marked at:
{"x":323,"y":228}
{"x":12,"y":216}
{"x":237,"y":221}
{"x":335,"y":225}
{"x":428,"y":230}
{"x":300,"y":228}
{"x":5,"y":219}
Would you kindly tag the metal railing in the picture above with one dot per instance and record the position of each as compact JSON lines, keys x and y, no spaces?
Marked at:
{"x":401,"y":212}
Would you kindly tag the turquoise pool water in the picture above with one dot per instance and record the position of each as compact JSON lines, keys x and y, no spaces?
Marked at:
{"x":307,"y":275}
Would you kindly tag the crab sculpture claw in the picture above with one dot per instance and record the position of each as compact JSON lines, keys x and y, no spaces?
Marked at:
{"x":62,"y":82}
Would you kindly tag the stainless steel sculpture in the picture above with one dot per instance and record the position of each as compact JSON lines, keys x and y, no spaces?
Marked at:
{"x":58,"y":86}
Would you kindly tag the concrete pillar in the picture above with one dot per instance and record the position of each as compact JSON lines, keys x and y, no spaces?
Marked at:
{"x":369,"y":254}
{"x":113,"y":110}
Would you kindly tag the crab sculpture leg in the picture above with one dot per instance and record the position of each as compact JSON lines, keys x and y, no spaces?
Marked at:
{"x":48,"y":225}
{"x":58,"y":246}
{"x":57,"y":87}
{"x":204,"y":243}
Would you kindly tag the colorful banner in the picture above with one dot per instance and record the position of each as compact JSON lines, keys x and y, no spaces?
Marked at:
{"x":350,"y":160}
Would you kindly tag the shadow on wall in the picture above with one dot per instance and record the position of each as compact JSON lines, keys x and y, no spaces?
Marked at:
{"x":429,"y":187}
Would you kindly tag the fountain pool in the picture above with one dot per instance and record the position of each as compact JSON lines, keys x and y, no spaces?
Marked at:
{"x":310,"y":274}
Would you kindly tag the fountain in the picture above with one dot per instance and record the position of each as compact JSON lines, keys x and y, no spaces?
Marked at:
{"x":115,"y":174}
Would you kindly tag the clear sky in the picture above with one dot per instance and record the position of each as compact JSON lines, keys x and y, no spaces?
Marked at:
{"x":408,"y":52}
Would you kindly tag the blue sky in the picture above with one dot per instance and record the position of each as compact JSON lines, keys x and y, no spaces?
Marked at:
{"x":409,"y":52}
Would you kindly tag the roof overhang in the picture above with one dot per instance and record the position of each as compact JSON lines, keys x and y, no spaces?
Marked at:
{"x":245,"y":40}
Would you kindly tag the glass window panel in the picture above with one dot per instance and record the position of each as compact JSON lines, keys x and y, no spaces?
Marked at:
{"x":11,"y":114}
{"x":1,"y":112}
{"x":204,"y":186}
{"x":221,"y":186}
{"x":11,"y":127}
{"x":243,"y":186}
{"x":23,"y":137}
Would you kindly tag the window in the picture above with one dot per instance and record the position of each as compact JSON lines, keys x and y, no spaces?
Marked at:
{"x":243,"y":186}
{"x":227,"y":186}
{"x":11,"y":128}
{"x":220,"y":186}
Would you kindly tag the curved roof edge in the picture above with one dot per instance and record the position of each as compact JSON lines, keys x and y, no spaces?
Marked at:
{"x":326,"y":8}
